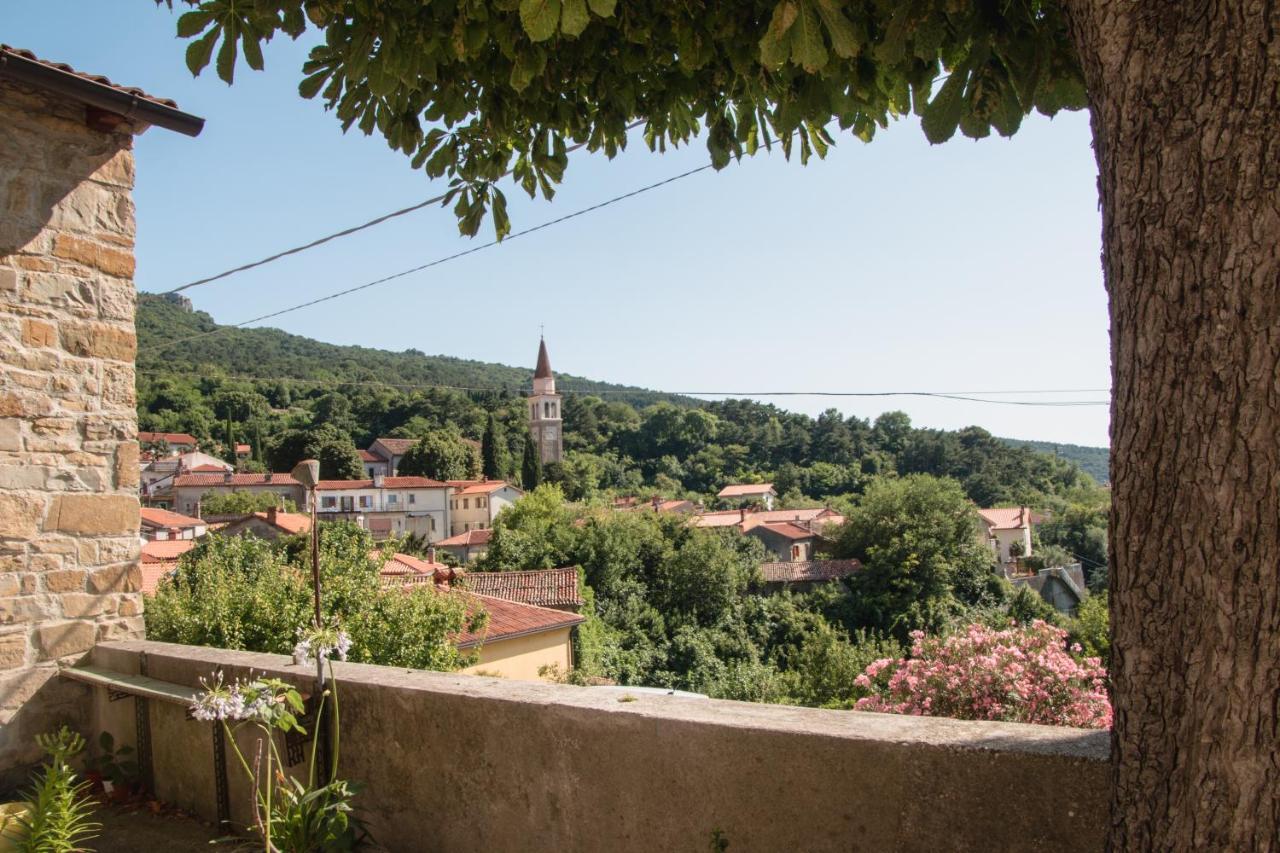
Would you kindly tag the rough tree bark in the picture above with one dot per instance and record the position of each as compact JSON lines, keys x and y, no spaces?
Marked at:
{"x":1185,"y":101}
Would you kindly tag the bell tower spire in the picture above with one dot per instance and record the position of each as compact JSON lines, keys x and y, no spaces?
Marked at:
{"x":545,"y":416}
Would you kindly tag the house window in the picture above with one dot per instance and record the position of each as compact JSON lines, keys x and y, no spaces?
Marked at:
{"x":546,"y":409}
{"x":365,"y":501}
{"x":466,"y":503}
{"x":393,"y":499}
{"x":795,"y":552}
{"x":432,"y":525}
{"x":328,"y":503}
{"x":480,"y":503}
{"x":413,"y":498}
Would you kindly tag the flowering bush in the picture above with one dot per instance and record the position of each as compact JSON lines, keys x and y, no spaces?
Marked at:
{"x":1025,"y":674}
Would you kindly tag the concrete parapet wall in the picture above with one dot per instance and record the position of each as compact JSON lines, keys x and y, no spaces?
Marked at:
{"x":459,"y":763}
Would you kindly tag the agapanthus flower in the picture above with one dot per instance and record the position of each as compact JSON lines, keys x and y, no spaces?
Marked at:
{"x":320,"y":643}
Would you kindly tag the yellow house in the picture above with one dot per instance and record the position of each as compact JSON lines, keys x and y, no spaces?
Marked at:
{"x":519,"y":639}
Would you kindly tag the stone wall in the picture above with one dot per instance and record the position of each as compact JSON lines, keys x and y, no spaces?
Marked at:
{"x":68,"y":452}
{"x":465,"y":763}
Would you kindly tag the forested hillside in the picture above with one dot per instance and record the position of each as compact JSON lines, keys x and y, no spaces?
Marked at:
{"x":289,"y":396}
{"x":1094,"y":460}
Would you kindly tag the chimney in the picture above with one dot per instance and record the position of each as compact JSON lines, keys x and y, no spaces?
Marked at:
{"x":657,"y":503}
{"x":226,"y":476}
{"x":431,"y":553}
{"x":272,"y":514}
{"x":378,"y":479}
{"x":742,"y":515}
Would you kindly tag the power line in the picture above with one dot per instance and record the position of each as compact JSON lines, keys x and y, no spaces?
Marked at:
{"x":436,"y":262}
{"x":589,"y":392}
{"x":345,"y":232}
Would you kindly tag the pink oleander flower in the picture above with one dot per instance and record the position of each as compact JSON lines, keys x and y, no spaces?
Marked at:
{"x":1022,"y":674}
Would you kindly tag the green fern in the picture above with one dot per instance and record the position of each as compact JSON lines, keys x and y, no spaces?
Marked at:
{"x":60,"y":809}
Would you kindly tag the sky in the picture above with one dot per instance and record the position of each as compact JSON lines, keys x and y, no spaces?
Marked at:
{"x":894,"y":266}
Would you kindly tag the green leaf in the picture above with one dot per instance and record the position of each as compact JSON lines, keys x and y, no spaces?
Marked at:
{"x":603,"y":8}
{"x":310,"y":86}
{"x":574,"y":18}
{"x":846,"y":39}
{"x":252,"y":52}
{"x":200,"y":51}
{"x":775,"y":46}
{"x":529,"y":62}
{"x":192,"y":23}
{"x":808,"y":50}
{"x":227,"y":59}
{"x":942,"y":114}
{"x":501,"y":222}
{"x":540,"y":18}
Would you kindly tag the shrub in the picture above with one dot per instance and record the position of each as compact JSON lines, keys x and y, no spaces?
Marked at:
{"x":1022,"y":674}
{"x":60,"y":813}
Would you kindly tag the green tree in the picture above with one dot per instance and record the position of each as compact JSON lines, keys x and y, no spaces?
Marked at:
{"x":331,"y":446}
{"x":1091,"y":627}
{"x":530,"y":466}
{"x":493,"y":451}
{"x":441,"y":455}
{"x":242,"y":503}
{"x":916,"y":537}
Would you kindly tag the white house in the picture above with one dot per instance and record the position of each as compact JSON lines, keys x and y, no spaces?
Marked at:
{"x":744,"y":493}
{"x":388,"y":506}
{"x":159,"y":525}
{"x":474,"y":504}
{"x":1001,"y":528}
{"x":388,"y":452}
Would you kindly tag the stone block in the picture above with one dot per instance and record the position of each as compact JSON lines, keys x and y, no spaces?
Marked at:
{"x":110,"y":261}
{"x":37,"y":333}
{"x":130,"y":605}
{"x":10,"y":434}
{"x":99,"y":340}
{"x":8,"y":281}
{"x":20,"y":515}
{"x":13,"y":649}
{"x":122,"y":577}
{"x":17,"y":687}
{"x":65,"y":580}
{"x":127,"y":471}
{"x":93,"y":514}
{"x":81,"y":605}
{"x":8,"y":584}
{"x":123,"y":629}
{"x":64,"y":638}
{"x":26,"y":609}
{"x":67,"y":291}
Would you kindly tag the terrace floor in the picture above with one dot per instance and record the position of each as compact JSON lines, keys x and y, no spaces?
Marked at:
{"x":129,"y":830}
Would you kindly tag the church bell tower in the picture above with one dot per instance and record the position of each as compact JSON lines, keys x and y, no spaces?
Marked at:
{"x":544,"y":410}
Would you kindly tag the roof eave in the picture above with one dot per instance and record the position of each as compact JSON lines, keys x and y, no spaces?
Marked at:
{"x":16,"y":67}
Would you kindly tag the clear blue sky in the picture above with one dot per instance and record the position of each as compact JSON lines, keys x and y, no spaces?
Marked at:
{"x":893,"y":266}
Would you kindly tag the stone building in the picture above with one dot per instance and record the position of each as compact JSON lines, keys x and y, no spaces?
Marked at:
{"x":69,"y":544}
{"x":545,"y":416}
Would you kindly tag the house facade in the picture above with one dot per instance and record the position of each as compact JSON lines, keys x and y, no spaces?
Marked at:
{"x":388,"y":506}
{"x":520,"y":641}
{"x":190,"y":489}
{"x":269,"y":525}
{"x":161,"y":524}
{"x":168,"y":443}
{"x":787,"y":540}
{"x":384,"y":455}
{"x":467,"y":547}
{"x":474,"y":504}
{"x":1005,"y":531}
{"x":742,"y":494}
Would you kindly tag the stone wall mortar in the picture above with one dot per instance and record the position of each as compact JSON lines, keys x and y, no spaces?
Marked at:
{"x":69,"y":574}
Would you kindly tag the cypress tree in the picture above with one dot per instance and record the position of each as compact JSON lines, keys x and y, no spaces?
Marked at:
{"x":492,"y":458}
{"x":530,"y":466}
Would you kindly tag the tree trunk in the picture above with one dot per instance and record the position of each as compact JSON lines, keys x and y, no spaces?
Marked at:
{"x":1185,"y":100}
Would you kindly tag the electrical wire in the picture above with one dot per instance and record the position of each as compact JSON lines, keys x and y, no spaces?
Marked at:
{"x":345,"y":232}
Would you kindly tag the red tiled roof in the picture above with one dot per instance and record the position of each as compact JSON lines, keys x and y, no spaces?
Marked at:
{"x":167,"y":438}
{"x":808,"y":570}
{"x":243,"y":448}
{"x":95,"y":78}
{"x":407,"y":564}
{"x":387,"y":483}
{"x":730,"y":517}
{"x":369,"y":456}
{"x":289,"y":522}
{"x":206,"y":469}
{"x":510,"y":619}
{"x":156,"y":517}
{"x":220,"y":479}
{"x":466,"y":538}
{"x":398,"y":446}
{"x":745,"y":490}
{"x":478,"y":487}
{"x":544,"y":588}
{"x":787,"y":530}
{"x":166,"y":550}
{"x":1011,"y":518}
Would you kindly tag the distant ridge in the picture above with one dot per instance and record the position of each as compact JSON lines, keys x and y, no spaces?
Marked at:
{"x":270,"y":354}
{"x":1094,"y":460}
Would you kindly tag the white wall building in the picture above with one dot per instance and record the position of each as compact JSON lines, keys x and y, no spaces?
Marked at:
{"x":474,"y":504}
{"x":388,"y":506}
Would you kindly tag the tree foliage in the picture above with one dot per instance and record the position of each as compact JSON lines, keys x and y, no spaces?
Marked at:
{"x":242,"y":503}
{"x":474,"y":91}
{"x":441,"y":455}
{"x":330,"y":445}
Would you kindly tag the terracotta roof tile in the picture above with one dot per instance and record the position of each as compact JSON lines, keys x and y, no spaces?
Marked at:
{"x":398,"y":446}
{"x":1010,"y":518}
{"x":167,"y":437}
{"x":478,"y":487}
{"x":166,"y":550}
{"x":467,"y":538}
{"x":288,"y":522}
{"x":510,"y":619}
{"x":369,"y":456}
{"x":743,"y":490}
{"x":220,"y":479}
{"x":96,"y":78}
{"x":156,"y":517}
{"x":544,"y":588}
{"x":808,"y":570}
{"x":407,"y":564}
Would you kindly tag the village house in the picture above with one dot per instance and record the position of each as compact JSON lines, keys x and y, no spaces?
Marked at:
{"x":745,"y":494}
{"x":1062,"y":587}
{"x":519,"y":641}
{"x":474,"y":504}
{"x":744,"y":519}
{"x":159,"y":559}
{"x":243,"y":452}
{"x":189,"y":489}
{"x":803,"y":575}
{"x":388,"y":506}
{"x":469,"y":546}
{"x":161,"y":524}
{"x":157,"y":472}
{"x":384,"y":455}
{"x":271,"y":524}
{"x":656,"y":504}
{"x":167,"y":443}
{"x":1007,"y":532}
{"x":788,"y":540}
